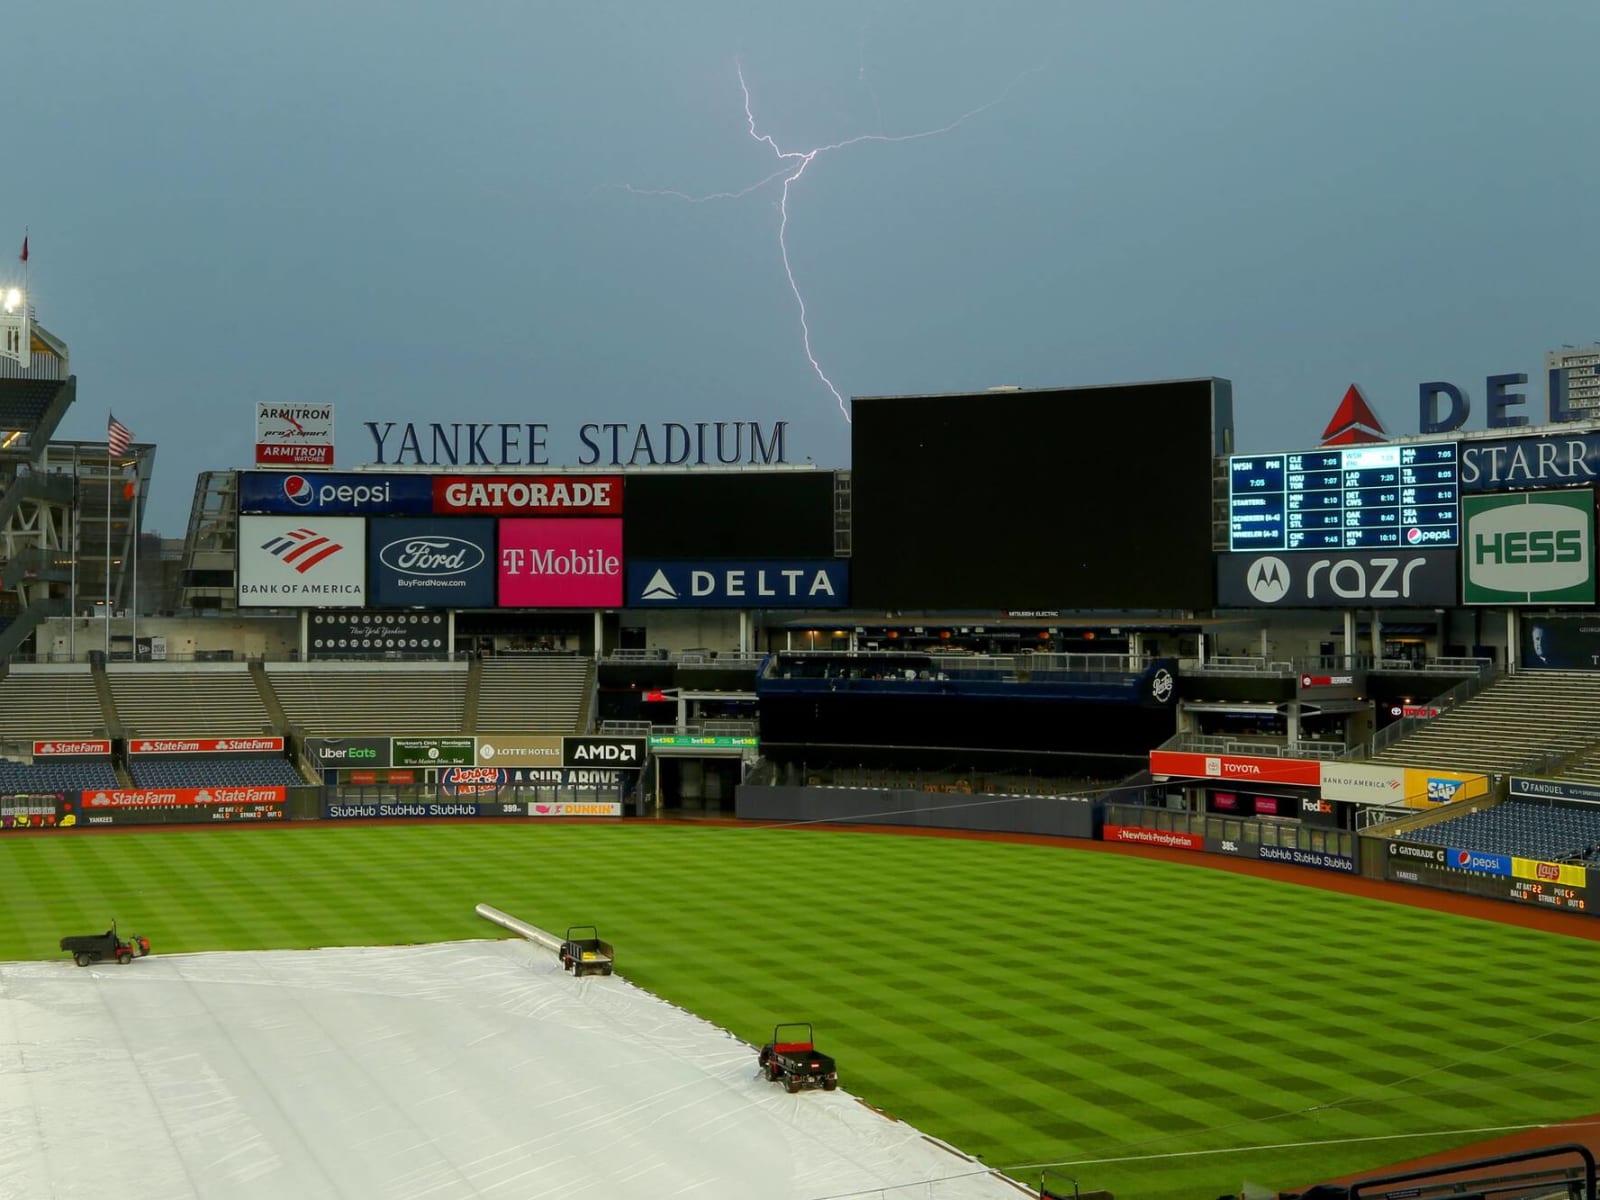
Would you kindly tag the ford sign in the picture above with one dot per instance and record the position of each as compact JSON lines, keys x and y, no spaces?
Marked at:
{"x":432,"y":556}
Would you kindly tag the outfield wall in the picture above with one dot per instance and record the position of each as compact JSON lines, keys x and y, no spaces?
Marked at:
{"x":1049,"y":816}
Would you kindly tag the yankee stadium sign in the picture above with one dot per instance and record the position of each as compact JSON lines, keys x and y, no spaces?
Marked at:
{"x":610,"y":443}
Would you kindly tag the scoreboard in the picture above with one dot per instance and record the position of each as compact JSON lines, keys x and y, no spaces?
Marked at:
{"x":1352,"y":497}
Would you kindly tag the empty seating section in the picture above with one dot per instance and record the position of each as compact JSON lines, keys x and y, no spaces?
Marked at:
{"x":1549,"y":832}
{"x":53,"y":703}
{"x":23,"y":402}
{"x":183,"y":701}
{"x":214,"y":772}
{"x":348,"y":699}
{"x":542,"y":693}
{"x":1509,"y":722}
{"x":73,"y":776}
{"x":1587,"y":767}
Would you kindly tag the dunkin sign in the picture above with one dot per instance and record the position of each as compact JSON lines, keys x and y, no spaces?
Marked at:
{"x":547,"y":562}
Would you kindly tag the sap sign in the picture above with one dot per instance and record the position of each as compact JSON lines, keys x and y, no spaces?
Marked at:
{"x":443,"y":562}
{"x":818,"y":583}
{"x":1501,"y":400}
{"x":334,"y":494}
{"x":1529,"y":548}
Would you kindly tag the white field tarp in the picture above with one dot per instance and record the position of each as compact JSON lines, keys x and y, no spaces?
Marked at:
{"x":471,"y":1069}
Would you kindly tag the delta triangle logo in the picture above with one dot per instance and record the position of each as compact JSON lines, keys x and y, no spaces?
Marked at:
{"x":658,"y":588}
{"x":1354,"y":423}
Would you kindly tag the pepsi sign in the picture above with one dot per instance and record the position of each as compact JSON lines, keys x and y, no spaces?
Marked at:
{"x":334,"y":493}
{"x":431,"y":562}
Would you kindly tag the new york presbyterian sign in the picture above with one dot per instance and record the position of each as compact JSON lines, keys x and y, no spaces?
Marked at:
{"x":609,"y":443}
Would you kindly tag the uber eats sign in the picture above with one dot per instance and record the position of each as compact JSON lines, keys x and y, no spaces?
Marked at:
{"x":1528,"y":548}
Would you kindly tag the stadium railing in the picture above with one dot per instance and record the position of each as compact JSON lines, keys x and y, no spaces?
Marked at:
{"x":1209,"y":743}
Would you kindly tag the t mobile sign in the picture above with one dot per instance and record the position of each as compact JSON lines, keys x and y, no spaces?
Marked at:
{"x":574,"y":562}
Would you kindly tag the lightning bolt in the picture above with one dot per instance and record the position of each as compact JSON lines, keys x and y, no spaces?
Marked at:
{"x":793,"y":166}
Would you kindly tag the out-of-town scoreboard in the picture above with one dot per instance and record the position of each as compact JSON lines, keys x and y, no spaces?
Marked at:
{"x":1355,"y":497}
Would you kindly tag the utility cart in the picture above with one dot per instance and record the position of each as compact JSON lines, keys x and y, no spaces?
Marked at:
{"x":793,"y":1057}
{"x":583,"y":953}
{"x":96,"y":947}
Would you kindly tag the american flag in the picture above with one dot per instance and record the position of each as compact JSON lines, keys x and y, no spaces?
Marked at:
{"x":118,"y":437}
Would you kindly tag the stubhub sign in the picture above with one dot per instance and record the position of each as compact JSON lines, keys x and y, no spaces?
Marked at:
{"x":812,"y":583}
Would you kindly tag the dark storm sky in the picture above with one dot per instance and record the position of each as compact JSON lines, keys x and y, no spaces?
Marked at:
{"x":415,"y":210}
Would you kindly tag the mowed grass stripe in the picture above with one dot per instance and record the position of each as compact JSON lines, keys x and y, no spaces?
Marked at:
{"x":1028,"y":1003}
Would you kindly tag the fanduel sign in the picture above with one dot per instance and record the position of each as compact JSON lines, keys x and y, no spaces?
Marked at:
{"x":1339,"y":579}
{"x":764,"y":584}
{"x":610,"y":443}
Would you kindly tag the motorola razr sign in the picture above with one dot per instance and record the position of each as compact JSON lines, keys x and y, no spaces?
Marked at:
{"x":1528,"y":548}
{"x":1338,"y":579}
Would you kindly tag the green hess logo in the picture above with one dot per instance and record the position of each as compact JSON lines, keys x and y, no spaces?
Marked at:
{"x":1529,"y":548}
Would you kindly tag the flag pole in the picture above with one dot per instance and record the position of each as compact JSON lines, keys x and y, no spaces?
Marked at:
{"x":72,"y":585}
{"x":109,"y":596}
{"x":133,"y":524}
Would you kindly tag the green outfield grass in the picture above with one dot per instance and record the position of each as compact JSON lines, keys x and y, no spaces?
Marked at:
{"x":1143,"y":1020}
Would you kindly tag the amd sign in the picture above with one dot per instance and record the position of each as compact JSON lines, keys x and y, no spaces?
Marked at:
{"x":1341,"y":579}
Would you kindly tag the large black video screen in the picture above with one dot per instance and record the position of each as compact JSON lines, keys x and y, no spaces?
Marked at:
{"x":728,"y":514}
{"x":1072,"y":498}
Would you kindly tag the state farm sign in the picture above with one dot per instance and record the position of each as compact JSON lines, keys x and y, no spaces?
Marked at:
{"x":237,"y":745}
{"x":182,"y":797}
{"x":1190,"y":765}
{"x":71,"y":749}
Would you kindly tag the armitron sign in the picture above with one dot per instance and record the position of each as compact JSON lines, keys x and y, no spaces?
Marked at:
{"x":294,"y":435}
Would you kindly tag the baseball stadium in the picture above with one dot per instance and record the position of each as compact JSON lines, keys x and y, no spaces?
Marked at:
{"x":1025,"y":808}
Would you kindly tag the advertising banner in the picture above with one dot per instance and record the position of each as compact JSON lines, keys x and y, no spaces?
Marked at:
{"x":1567,"y":874}
{"x":614,"y":753}
{"x":575,"y":562}
{"x":432,"y":751}
{"x":378,"y":634}
{"x":574,"y":777}
{"x":1494,"y":875}
{"x":1560,"y":643}
{"x":757,"y":584}
{"x":285,"y":562}
{"x":1555,"y":789}
{"x":182,"y":806}
{"x":1529,"y":548}
{"x":1477,"y":860}
{"x":679,"y":741}
{"x":234,"y":745}
{"x":520,"y":750}
{"x":1364,"y":783}
{"x":1190,"y":765}
{"x":1154,"y":837}
{"x":1338,"y":579}
{"x":345,"y":810}
{"x":1324,"y":860}
{"x":433,"y":562}
{"x":579,"y":808}
{"x":92,"y":748}
{"x":528,"y":495}
{"x":294,"y":434}
{"x":1530,"y":462}
{"x":37,"y":810}
{"x":1426,"y":786}
{"x":335,"y":493}
{"x":332,"y":754}
{"x":473,"y":781}
{"x":1317,"y":810}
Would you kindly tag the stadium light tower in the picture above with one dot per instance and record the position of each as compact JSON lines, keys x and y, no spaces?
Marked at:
{"x":16,"y":340}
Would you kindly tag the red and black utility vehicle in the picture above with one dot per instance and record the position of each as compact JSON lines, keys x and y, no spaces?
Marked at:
{"x":793,"y":1057}
{"x":95,"y":947}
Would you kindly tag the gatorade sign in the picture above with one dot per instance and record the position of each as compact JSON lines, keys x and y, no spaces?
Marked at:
{"x":1528,"y":548}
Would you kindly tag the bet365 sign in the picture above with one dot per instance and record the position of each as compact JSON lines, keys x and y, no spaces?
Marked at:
{"x":1528,"y":548}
